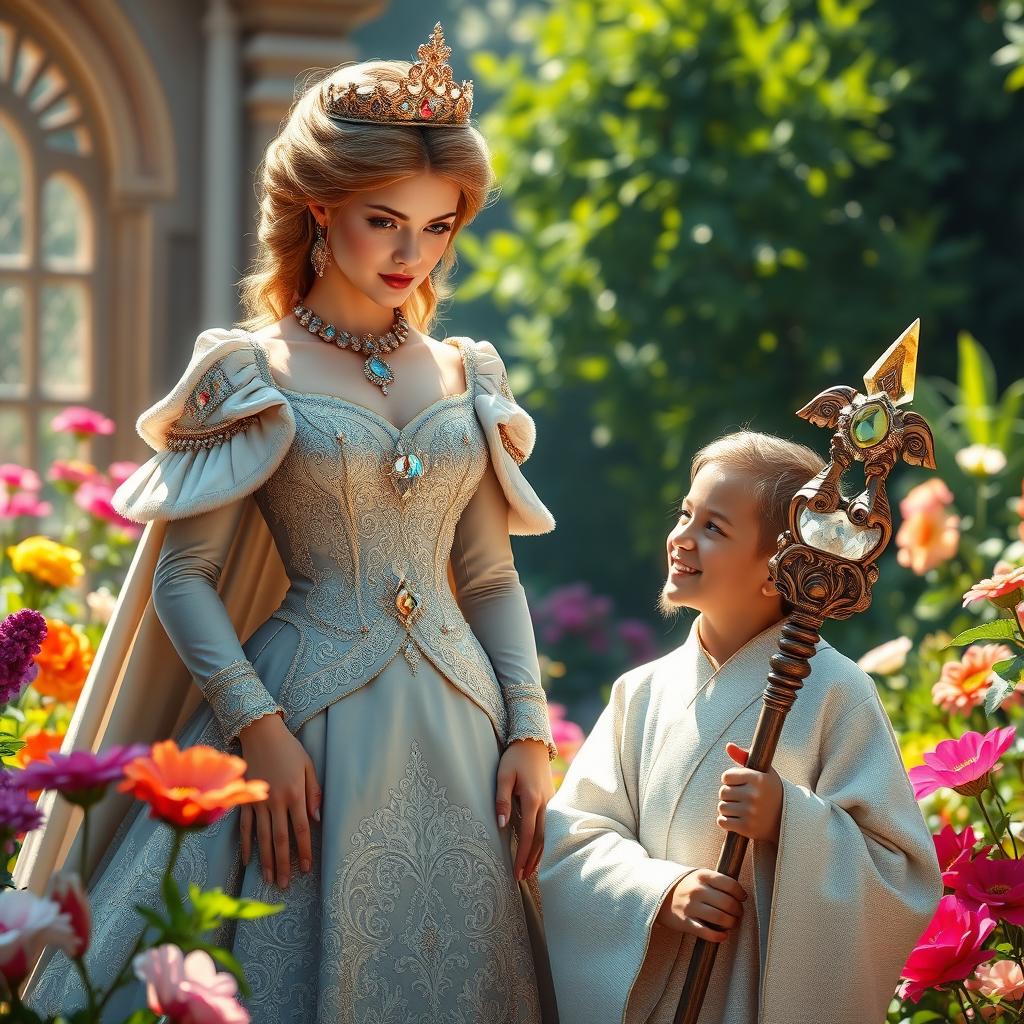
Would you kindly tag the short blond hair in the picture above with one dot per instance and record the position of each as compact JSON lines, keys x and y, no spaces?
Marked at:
{"x":776,"y":468}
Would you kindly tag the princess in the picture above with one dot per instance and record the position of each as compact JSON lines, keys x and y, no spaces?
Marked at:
{"x":318,"y":473}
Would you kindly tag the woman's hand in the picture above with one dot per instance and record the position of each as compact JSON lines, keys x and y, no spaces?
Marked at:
{"x":276,"y":756}
{"x":524,"y":772}
{"x":704,"y":904}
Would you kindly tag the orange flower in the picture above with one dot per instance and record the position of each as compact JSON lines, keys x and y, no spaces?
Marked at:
{"x":64,"y":662}
{"x":190,"y":788}
{"x":963,"y":684}
{"x":928,"y":536}
{"x":38,"y":746}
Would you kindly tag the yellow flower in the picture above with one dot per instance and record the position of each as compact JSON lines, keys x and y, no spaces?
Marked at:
{"x":49,"y":562}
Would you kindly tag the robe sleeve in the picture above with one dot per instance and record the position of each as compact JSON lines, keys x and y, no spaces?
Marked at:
{"x":494,"y":604}
{"x":854,"y":880}
{"x":220,"y":433}
{"x":601,"y":889}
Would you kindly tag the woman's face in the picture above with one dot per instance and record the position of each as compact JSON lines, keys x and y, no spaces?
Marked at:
{"x":385,"y":242}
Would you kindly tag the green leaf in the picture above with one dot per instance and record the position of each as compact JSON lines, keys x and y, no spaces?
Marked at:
{"x":172,"y":897}
{"x":977,"y":388}
{"x":997,"y":693}
{"x":9,"y":747}
{"x":142,"y":1017}
{"x":1012,"y":669}
{"x":1000,"y":629}
{"x":216,"y":905}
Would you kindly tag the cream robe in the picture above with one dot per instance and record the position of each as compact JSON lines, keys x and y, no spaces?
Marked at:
{"x":831,"y":913}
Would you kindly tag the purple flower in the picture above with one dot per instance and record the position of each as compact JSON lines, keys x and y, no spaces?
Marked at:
{"x":21,"y":638}
{"x":18,"y":814}
{"x":639,"y":639}
{"x":81,"y":777}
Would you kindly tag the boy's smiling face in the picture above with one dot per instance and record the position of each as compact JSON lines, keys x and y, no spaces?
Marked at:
{"x":716,"y":562}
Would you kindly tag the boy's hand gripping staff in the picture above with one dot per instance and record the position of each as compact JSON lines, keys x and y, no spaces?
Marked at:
{"x":825,"y":566}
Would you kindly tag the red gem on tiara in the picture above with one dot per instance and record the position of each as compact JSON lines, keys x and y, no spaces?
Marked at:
{"x":426,"y":110}
{"x":204,"y":397}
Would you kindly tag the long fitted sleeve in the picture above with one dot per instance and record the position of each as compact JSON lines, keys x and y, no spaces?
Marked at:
{"x":186,"y":600}
{"x":494,"y":604}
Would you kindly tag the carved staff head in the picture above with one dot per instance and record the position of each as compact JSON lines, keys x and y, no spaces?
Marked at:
{"x":826,"y":560}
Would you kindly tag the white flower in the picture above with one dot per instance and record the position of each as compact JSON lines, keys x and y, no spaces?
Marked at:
{"x":887,"y":658}
{"x":981,"y":460}
{"x":28,"y":924}
{"x":101,"y":603}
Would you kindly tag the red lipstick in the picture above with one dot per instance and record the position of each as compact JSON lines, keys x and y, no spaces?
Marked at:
{"x":396,"y":281}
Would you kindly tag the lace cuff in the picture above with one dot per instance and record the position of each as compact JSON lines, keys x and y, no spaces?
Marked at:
{"x":527,"y":708}
{"x":238,"y":698}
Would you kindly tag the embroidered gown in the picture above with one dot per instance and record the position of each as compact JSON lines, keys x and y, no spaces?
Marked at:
{"x":403,"y":697}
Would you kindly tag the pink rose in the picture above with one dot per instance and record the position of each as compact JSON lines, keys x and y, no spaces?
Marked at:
{"x":188,"y":989}
{"x":928,"y":536}
{"x":28,"y":924}
{"x":77,"y":419}
{"x":1003,"y":980}
{"x":65,"y":890}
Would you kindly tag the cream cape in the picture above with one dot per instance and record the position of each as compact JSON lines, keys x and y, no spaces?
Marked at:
{"x":830,"y":915}
{"x":138,"y":689}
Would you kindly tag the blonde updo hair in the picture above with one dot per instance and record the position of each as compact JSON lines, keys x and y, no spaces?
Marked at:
{"x":319,"y":159}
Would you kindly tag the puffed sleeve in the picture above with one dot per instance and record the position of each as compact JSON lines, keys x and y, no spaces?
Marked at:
{"x":220,"y":433}
{"x":510,"y":434}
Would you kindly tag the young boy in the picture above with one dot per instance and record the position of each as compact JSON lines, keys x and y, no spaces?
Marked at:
{"x":841,"y":877}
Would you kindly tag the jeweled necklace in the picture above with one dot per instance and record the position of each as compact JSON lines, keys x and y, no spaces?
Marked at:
{"x":377,"y":369}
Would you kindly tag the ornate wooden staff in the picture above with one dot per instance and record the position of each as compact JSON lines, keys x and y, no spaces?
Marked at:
{"x":825,"y":566}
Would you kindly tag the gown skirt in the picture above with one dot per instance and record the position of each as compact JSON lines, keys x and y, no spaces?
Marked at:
{"x":410,"y":914}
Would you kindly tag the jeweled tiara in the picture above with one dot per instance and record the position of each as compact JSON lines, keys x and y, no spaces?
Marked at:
{"x":427,"y":96}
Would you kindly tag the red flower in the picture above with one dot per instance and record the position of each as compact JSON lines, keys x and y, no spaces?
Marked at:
{"x":955,"y":848}
{"x":950,"y":948}
{"x":77,"y":419}
{"x":996,"y":884}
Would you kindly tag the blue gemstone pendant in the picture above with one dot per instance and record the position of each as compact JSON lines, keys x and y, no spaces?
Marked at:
{"x":378,"y":371}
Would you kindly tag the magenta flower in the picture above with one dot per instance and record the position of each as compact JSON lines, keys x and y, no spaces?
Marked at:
{"x":77,"y":419}
{"x":23,"y":503}
{"x":188,"y":989}
{"x":120,"y":471}
{"x":950,"y":948}
{"x":996,"y":884}
{"x":21,"y":639}
{"x":567,"y":736}
{"x":955,"y":848}
{"x":19,"y":478}
{"x":962,"y":764}
{"x":96,"y":497}
{"x":18,"y":814}
{"x":81,"y":777}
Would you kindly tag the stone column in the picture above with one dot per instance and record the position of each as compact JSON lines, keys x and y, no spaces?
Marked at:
{"x":288,"y":43}
{"x":223,"y":179}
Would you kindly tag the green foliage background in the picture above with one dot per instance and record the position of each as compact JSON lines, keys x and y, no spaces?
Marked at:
{"x":713,"y":209}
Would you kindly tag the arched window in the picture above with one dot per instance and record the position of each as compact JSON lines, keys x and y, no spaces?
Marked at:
{"x":50,"y":252}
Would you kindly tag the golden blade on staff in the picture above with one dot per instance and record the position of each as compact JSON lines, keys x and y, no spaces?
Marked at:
{"x":825,"y":564}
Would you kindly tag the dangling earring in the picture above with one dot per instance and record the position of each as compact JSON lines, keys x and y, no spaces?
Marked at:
{"x":318,"y":257}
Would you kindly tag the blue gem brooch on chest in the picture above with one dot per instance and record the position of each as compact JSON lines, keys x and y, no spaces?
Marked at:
{"x":376,"y":368}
